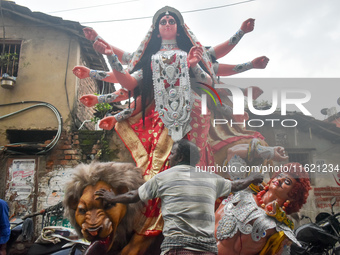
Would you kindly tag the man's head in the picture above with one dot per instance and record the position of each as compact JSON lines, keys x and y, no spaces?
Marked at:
{"x":184,"y":152}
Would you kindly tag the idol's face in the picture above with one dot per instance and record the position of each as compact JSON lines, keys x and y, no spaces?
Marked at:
{"x":168,"y":28}
{"x":281,"y":185}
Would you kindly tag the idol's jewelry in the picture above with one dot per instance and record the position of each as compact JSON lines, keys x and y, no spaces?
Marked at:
{"x":242,"y":214}
{"x":255,"y":148}
{"x":173,"y":103}
{"x":115,"y":63}
{"x":200,"y":74}
{"x":236,"y":37}
{"x":269,"y":207}
{"x":243,"y":67}
{"x":169,"y":45}
{"x":108,"y":98}
{"x":97,"y":38}
{"x":123,"y":115}
{"x":126,"y":58}
{"x":98,"y":75}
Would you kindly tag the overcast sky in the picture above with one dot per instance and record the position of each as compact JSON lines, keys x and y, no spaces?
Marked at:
{"x":300,"y":37}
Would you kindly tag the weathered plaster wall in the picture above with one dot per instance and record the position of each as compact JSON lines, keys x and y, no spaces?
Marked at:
{"x":45,"y":74}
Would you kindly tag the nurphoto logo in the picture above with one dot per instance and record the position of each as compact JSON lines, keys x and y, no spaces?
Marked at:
{"x":300,"y":97}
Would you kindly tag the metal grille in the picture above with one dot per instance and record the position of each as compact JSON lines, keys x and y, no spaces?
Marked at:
{"x":9,"y":58}
{"x":52,"y":215}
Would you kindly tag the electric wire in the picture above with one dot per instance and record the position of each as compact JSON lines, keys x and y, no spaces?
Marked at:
{"x":56,"y":138}
{"x":148,"y":17}
{"x":137,"y":18}
{"x":65,"y":81}
{"x":89,"y":7}
{"x":3,"y":29}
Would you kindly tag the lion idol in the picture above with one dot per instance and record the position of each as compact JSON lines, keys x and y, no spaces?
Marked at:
{"x":109,"y":228}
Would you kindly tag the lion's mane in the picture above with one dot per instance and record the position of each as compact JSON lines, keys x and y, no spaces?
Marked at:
{"x":114,"y":173}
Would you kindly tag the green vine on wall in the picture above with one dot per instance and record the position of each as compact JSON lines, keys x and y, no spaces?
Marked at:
{"x":101,"y":110}
{"x":106,"y":153}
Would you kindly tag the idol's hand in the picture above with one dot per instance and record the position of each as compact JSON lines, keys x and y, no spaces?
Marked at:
{"x":108,"y":123}
{"x":90,"y":33}
{"x":195,"y":55}
{"x":102,"y":47}
{"x":279,"y":154}
{"x":260,"y":62}
{"x":248,"y":25}
{"x":89,"y":100}
{"x":81,"y":72}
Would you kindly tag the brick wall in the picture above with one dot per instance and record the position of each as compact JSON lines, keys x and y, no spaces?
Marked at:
{"x":71,"y":150}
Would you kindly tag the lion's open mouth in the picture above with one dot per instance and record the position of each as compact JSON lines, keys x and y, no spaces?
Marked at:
{"x":101,"y":237}
{"x":94,"y":231}
{"x":101,"y":246}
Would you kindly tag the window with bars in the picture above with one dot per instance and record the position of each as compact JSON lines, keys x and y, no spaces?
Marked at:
{"x":302,"y":158}
{"x":9,"y":57}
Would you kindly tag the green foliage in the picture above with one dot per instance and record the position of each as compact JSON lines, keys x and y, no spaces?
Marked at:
{"x":106,"y":152}
{"x":101,"y":110}
{"x":8,"y":62}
